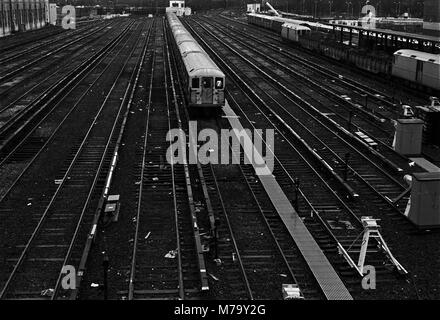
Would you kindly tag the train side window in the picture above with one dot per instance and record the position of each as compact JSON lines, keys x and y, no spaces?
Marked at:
{"x":218,"y":83}
{"x":195,"y":83}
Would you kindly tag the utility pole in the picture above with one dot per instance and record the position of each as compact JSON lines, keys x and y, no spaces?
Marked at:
{"x":316,"y":8}
{"x":11,"y":16}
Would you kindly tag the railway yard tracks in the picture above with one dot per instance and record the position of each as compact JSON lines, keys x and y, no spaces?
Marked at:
{"x":325,"y":137}
{"x":48,"y":241}
{"x":71,"y":140}
{"x":337,"y":206}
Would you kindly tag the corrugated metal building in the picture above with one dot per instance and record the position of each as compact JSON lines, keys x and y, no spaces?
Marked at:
{"x":22,"y":15}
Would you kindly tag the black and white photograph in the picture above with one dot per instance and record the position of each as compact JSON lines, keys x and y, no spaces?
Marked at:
{"x":220,"y":158}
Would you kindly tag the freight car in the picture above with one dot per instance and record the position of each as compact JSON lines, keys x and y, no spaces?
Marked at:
{"x":418,"y":67}
{"x":203,"y":81}
{"x":415,"y":67}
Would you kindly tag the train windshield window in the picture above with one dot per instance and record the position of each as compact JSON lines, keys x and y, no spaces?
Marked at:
{"x":218,"y":83}
{"x":207,"y":83}
{"x":195,"y":83}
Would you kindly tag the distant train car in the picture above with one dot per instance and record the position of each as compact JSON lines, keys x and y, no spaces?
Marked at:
{"x":292,"y":32}
{"x":416,"y":66}
{"x":276,"y":23}
{"x":204,"y":82}
{"x":265,"y":21}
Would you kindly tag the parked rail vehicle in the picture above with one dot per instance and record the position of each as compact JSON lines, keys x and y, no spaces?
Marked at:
{"x":292,"y":32}
{"x":203,"y":81}
{"x":275,"y":23}
{"x":417,"y":68}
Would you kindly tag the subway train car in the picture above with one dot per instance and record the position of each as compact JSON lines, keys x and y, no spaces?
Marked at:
{"x":418,"y":67}
{"x":292,"y":32}
{"x":204,"y":82}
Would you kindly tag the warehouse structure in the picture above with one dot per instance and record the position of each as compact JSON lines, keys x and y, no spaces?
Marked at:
{"x":22,"y":15}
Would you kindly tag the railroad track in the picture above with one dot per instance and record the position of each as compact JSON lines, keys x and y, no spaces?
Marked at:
{"x":323,"y":137}
{"x":24,"y":38}
{"x":254,"y":261}
{"x":336,"y":207}
{"x":305,"y":70}
{"x":14,"y":69}
{"x":341,"y":110}
{"x":29,"y":132}
{"x":49,"y":71}
{"x":332,"y":220}
{"x":44,"y":247}
{"x":165,"y":208}
{"x":30,"y":86}
{"x":42,"y":46}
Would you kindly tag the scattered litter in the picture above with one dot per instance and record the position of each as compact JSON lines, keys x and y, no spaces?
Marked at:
{"x":213,"y":277}
{"x":148,"y":234}
{"x":137,"y":182}
{"x":412,"y":163}
{"x":171,"y":254}
{"x":155,"y":179}
{"x":234,"y":256}
{"x":58,"y":181}
{"x":29,"y":204}
{"x":283,"y":275}
{"x":94,"y":285}
{"x":134,"y":219}
{"x":218,"y":261}
{"x":47,"y":292}
{"x":348,"y":224}
{"x":206,"y":236}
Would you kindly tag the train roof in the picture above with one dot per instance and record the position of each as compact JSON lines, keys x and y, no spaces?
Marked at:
{"x":183,"y":37}
{"x":188,"y":46}
{"x":295,"y":26}
{"x":197,"y":61}
{"x":292,"y":21}
{"x":199,"y":64}
{"x":419,"y":55}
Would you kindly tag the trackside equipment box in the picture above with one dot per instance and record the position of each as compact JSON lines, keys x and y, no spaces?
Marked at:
{"x":408,"y":136}
{"x":425,"y":200}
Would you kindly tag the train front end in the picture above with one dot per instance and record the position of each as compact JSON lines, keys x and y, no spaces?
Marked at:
{"x":206,"y":87}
